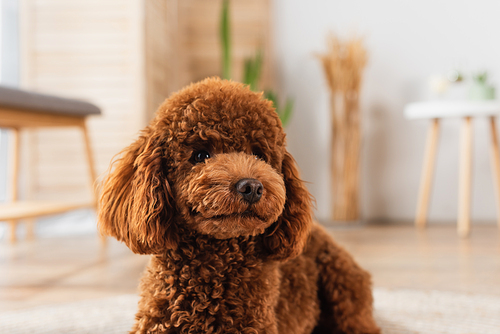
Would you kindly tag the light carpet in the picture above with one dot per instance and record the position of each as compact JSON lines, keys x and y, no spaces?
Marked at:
{"x":397,"y":312}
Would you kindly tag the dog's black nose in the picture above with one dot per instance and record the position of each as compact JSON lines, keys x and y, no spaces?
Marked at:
{"x":250,"y":189}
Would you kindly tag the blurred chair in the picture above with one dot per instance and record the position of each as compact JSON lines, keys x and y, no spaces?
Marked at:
{"x":436,"y":110}
{"x":21,"y":109}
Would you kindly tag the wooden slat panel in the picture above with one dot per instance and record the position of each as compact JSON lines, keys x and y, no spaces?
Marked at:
{"x":159,"y":52}
{"x":89,"y":49}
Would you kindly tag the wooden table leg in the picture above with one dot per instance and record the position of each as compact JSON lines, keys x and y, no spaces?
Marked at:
{"x":92,"y":172}
{"x":90,"y":161}
{"x":495,"y":159}
{"x":427,"y":173}
{"x":465,"y":181}
{"x":30,"y":228}
{"x":12,"y":231}
{"x":14,"y":176}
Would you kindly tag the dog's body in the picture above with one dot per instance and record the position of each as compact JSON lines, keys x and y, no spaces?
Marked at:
{"x":241,"y":293}
{"x":211,"y":192}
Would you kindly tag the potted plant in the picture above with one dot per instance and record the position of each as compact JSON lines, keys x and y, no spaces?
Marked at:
{"x":480,"y":89}
{"x":252,"y":69}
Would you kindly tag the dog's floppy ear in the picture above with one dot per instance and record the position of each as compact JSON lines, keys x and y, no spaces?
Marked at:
{"x":286,"y":238}
{"x":136,"y":200}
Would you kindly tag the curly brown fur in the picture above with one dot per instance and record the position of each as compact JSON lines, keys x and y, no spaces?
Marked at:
{"x":228,"y":256}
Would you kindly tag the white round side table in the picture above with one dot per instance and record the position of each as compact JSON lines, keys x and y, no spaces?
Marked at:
{"x":436,"y":110}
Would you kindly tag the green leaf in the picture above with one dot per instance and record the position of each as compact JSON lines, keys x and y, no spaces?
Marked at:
{"x":287,"y":112}
{"x":225,"y":37}
{"x":284,"y":114}
{"x":271,"y":96}
{"x":252,"y":70}
{"x":246,"y":71}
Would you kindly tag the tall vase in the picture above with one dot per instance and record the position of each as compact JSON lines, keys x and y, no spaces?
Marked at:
{"x":345,"y":155}
{"x":343,"y":65}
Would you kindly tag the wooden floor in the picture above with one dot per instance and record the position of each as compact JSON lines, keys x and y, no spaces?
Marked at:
{"x":58,"y":270}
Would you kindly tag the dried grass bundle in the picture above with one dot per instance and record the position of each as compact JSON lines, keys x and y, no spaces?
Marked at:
{"x":343,"y":65}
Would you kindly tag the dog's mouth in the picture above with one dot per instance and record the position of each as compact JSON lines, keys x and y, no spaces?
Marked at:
{"x":229,"y":225}
{"x":247,"y":214}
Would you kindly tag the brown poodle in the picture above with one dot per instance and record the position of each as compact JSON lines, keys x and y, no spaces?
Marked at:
{"x":210,"y":191}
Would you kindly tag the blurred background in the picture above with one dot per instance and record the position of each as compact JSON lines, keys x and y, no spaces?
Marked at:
{"x":127,"y":56}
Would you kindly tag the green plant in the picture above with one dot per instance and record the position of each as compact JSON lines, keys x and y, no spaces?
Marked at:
{"x":225,"y":37}
{"x":480,"y":77}
{"x":251,"y":72}
{"x":252,"y":67}
{"x":283,"y":113}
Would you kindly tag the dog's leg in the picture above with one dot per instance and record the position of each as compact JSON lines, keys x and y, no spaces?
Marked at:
{"x":344,"y":290}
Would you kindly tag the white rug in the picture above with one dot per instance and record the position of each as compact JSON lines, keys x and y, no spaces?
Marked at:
{"x":96,"y":316}
{"x":436,"y":312}
{"x":396,"y":311}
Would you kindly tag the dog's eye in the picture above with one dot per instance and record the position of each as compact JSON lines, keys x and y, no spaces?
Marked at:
{"x":258,"y":155}
{"x":200,"y":156}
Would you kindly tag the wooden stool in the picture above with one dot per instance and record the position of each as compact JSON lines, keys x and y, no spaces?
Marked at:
{"x":21,"y":109}
{"x":466,"y":110}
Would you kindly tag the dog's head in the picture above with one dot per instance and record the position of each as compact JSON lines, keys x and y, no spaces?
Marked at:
{"x":212,"y":161}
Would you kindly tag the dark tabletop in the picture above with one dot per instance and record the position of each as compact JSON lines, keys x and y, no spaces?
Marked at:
{"x":13,"y":98}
